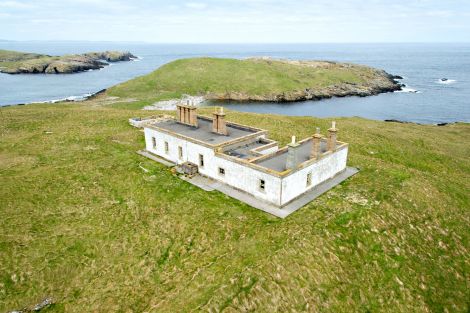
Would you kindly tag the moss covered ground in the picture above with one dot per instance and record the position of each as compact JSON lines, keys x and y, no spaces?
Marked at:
{"x":81,"y":221}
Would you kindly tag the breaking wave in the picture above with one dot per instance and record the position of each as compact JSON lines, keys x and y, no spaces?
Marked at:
{"x":446,"y":82}
{"x":408,"y":90}
{"x":70,"y":98}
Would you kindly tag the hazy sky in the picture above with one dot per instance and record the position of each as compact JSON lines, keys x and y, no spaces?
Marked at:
{"x":237,"y":20}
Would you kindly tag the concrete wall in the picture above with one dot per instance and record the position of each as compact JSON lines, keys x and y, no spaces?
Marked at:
{"x":247,"y":179}
{"x":327,"y":167}
{"x":237,"y":175}
{"x":161,"y":138}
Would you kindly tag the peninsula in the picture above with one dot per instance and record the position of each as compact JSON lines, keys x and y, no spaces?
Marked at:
{"x":256,"y":79}
{"x":13,"y":62}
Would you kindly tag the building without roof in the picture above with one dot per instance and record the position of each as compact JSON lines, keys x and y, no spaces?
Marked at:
{"x":244,"y":158}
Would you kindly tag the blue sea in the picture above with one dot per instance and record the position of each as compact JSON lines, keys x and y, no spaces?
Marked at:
{"x":426,"y":98}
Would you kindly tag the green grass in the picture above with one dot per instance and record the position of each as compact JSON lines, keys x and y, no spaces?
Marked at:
{"x":81,"y":222}
{"x":254,"y":77}
{"x":10,"y":56}
{"x":13,"y":59}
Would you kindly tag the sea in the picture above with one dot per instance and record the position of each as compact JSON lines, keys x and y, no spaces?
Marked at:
{"x":436,"y":75}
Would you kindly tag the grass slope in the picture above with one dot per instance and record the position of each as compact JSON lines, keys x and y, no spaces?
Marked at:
{"x":12,"y":56}
{"x":253,"y":77}
{"x":11,"y":59}
{"x":82,"y":222}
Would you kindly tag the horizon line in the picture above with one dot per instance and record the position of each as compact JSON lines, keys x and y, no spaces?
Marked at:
{"x":237,"y":43}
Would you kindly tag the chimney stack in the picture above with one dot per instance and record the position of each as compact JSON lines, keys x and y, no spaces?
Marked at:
{"x":292,"y":154}
{"x":332,"y":137}
{"x":218,"y":122}
{"x":316,"y":145}
{"x":186,"y":114}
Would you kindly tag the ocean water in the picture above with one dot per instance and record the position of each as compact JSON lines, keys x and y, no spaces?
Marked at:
{"x":426,"y":99}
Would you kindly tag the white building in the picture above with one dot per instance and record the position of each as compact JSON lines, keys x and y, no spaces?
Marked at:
{"x":244,"y":158}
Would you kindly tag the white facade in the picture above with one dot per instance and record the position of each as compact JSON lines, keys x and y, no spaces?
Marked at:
{"x":236,"y":175}
{"x":296,"y":184}
{"x":278,"y":188}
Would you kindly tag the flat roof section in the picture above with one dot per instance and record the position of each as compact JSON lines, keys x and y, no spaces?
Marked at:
{"x":243,"y":151}
{"x":278,"y":161}
{"x":204,"y":130}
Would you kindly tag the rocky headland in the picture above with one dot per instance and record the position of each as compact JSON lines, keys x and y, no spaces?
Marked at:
{"x":256,"y":79}
{"x":374,"y":82}
{"x":12,"y":62}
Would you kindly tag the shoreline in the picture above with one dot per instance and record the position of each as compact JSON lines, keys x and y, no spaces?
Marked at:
{"x":170,"y":105}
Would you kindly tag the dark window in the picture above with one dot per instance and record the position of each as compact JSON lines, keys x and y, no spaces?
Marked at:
{"x":154,"y":143}
{"x":261,"y":184}
{"x":201,"y":160}
{"x":221,"y":171}
{"x":309,"y":179}
{"x":180,"y":152}
{"x":167,"y":148}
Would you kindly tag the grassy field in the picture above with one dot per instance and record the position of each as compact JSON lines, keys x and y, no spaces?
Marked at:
{"x":12,"y":59}
{"x":12,"y":56}
{"x":82,"y":222}
{"x":252,"y":77}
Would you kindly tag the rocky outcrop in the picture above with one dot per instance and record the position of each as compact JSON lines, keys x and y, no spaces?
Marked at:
{"x":64,"y":64}
{"x":341,"y":90}
{"x":374,"y":81}
{"x":111,"y":56}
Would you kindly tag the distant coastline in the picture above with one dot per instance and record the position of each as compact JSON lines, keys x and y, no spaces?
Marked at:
{"x":14,"y":62}
{"x":433,"y":102}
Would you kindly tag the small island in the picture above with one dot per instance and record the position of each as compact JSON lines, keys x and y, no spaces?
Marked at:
{"x":13,"y":62}
{"x":256,"y":79}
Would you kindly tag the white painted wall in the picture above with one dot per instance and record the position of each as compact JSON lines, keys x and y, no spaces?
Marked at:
{"x":237,"y":175}
{"x":243,"y":177}
{"x":296,"y":183}
{"x":247,"y":179}
{"x":161,"y":138}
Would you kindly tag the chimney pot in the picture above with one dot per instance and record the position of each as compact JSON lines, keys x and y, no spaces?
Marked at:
{"x":332,"y":137}
{"x":292,"y":154}
{"x":316,"y":145}
{"x":218,"y":123}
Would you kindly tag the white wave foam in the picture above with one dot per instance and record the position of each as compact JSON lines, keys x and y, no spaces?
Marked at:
{"x":408,"y":90}
{"x":446,"y":82}
{"x":70,"y":98}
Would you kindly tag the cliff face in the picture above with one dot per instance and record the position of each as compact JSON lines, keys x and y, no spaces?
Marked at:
{"x":25,"y":63}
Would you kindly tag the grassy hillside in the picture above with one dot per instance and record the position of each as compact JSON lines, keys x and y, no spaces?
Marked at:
{"x":251,"y":79}
{"x":13,"y":59}
{"x":82,"y":222}
{"x":12,"y":56}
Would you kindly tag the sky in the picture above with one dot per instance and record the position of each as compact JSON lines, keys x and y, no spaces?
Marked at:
{"x":237,"y":21}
